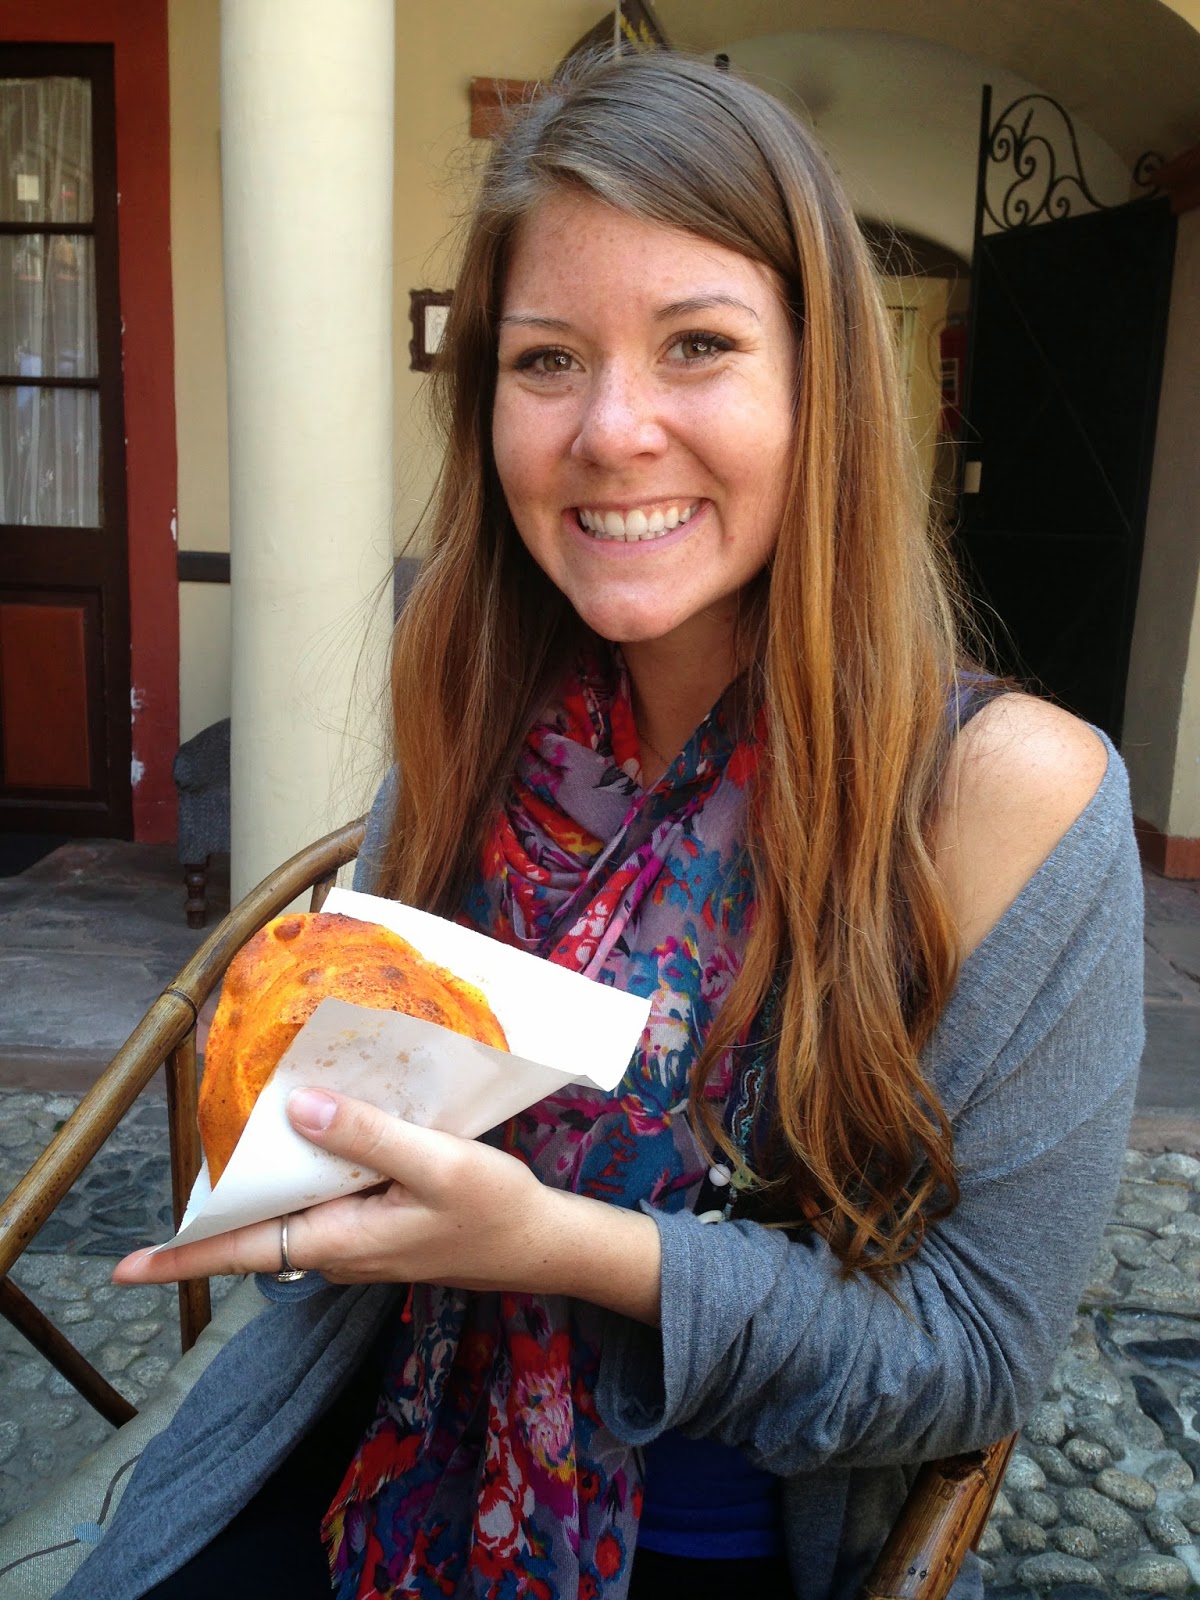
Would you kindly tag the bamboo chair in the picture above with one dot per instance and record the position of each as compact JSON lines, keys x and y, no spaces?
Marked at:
{"x":945,"y":1510}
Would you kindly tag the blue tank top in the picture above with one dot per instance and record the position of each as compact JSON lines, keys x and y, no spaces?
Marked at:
{"x":704,"y":1499}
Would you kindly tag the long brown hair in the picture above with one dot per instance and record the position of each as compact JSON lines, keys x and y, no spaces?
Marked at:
{"x":854,"y":648}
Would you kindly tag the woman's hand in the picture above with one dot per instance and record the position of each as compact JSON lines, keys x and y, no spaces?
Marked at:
{"x":454,"y":1212}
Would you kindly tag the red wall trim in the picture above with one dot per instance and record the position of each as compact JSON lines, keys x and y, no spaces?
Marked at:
{"x":137,"y":30}
{"x":1170,"y":855}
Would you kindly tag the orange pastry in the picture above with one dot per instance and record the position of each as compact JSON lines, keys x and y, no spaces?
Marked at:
{"x":276,"y":982}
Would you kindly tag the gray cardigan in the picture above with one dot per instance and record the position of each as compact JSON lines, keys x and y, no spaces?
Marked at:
{"x":836,"y":1386}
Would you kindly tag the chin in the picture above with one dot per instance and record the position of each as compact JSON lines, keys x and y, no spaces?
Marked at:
{"x":630,"y":629}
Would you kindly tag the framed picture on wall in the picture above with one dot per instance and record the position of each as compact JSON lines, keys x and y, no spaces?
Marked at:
{"x":428,"y":309}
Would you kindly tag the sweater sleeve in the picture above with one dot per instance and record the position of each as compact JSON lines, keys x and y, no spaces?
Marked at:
{"x":379,"y":821}
{"x":766,"y":1346}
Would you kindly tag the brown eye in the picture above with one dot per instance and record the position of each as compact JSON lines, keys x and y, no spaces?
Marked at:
{"x":694,"y":349}
{"x":545,"y":363}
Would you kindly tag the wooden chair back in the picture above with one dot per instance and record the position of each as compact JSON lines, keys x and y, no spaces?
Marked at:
{"x":946,"y":1511}
{"x":166,"y":1034}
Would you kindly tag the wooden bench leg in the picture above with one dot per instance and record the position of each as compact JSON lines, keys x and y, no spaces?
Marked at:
{"x":195,"y":878}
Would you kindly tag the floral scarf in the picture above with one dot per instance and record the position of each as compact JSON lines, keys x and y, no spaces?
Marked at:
{"x":487,"y":1472}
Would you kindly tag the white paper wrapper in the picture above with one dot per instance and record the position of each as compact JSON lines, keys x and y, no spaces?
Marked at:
{"x":561,"y":1029}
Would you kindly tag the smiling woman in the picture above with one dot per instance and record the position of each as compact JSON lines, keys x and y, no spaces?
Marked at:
{"x":678,"y":704}
{"x":645,"y":454}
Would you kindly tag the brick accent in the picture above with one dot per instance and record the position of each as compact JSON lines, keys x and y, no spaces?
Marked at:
{"x":1168,"y":855}
{"x":492,"y":100}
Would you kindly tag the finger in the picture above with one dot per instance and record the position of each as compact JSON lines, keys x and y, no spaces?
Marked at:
{"x":251,"y":1249}
{"x":418,"y":1158}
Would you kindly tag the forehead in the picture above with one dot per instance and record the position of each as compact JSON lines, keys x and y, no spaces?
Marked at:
{"x":575,"y":251}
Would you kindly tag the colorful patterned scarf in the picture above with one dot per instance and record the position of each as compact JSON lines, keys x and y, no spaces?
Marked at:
{"x":487,"y":1472}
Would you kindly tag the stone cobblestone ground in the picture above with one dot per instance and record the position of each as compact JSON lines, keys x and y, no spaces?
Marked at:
{"x":1101,"y":1499}
{"x":1101,"y":1495}
{"x":131,"y":1335}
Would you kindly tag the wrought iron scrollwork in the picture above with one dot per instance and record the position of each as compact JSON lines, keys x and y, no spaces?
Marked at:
{"x":1035,"y":137}
{"x":1146,"y":168}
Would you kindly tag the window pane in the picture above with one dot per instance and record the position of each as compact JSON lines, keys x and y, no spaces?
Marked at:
{"x":45,"y":150}
{"x":47,"y":306}
{"x":50,"y":457}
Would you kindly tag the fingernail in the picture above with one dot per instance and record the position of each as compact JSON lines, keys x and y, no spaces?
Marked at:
{"x":133,"y":1260}
{"x":311,"y":1108}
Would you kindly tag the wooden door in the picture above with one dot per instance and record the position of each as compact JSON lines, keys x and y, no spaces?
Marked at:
{"x":64,"y":587}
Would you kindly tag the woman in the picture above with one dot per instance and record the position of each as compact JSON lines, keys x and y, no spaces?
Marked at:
{"x":691,"y":721}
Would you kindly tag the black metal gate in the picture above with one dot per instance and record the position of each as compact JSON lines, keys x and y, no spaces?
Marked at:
{"x":1067,"y":326}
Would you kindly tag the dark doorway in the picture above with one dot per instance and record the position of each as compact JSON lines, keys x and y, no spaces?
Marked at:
{"x":19,"y":851}
{"x":1068,"y":323}
{"x":64,"y":587}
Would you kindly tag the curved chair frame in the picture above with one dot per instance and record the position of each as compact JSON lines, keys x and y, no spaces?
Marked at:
{"x":166,"y":1034}
{"x":945,"y":1510}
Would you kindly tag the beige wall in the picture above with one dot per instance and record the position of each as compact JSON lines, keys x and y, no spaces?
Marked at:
{"x":1184,"y":817}
{"x":1072,"y":49}
{"x":1184,"y":821}
{"x":899,"y":119}
{"x":435,"y":162}
{"x":1189,"y":10}
{"x":200,"y":412}
{"x":1162,"y":714}
{"x":924,"y":301}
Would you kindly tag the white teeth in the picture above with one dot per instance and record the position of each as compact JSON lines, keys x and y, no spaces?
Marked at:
{"x":636,"y":525}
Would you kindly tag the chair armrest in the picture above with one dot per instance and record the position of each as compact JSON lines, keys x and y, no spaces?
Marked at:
{"x":165,"y":1034}
{"x":164,"y":1027}
{"x":940,"y":1521}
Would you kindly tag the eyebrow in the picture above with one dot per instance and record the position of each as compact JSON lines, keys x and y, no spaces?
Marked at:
{"x":667,"y":313}
{"x":703,"y":302}
{"x":530,"y":319}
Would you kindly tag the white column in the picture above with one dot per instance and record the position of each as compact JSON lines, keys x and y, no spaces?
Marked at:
{"x":306,"y":148}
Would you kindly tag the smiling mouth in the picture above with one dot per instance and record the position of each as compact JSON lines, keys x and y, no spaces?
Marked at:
{"x":636,"y":526}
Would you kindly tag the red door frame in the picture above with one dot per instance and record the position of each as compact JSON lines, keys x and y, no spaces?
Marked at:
{"x":137,"y":30}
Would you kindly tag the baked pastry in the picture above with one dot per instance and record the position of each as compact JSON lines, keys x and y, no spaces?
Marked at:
{"x":278,"y":979}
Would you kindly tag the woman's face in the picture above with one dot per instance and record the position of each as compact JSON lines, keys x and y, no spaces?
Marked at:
{"x":643,"y":418}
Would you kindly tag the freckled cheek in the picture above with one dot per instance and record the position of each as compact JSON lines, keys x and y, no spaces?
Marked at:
{"x":529,"y":448}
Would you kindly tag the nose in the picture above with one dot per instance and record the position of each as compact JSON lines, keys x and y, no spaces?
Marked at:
{"x":620,"y":419}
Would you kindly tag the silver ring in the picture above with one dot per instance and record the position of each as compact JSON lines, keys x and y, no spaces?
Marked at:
{"x":288,"y":1273}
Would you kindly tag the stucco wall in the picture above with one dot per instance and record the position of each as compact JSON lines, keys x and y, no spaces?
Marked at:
{"x":1161,"y":739}
{"x":1184,"y":817}
{"x":1128,"y":68}
{"x":200,"y":410}
{"x":899,"y":119}
{"x":435,"y":167}
{"x":1184,"y":820}
{"x":436,"y":163}
{"x":1189,"y":10}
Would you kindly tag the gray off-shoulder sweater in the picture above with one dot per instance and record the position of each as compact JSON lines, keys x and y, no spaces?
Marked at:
{"x":837,"y":1386}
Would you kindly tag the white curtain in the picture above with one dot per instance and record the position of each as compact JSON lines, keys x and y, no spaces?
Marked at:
{"x":49,"y":436}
